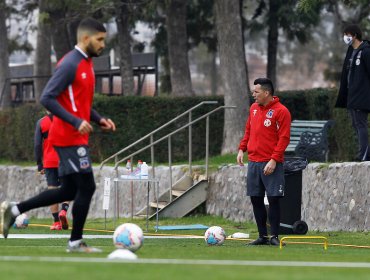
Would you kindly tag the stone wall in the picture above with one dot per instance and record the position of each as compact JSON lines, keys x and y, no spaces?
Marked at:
{"x":334,"y":197}
{"x":337,"y":196}
{"x":19,"y":183}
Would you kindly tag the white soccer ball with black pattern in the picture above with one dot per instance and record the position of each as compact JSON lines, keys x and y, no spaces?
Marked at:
{"x":215,"y":235}
{"x":21,"y":221}
{"x":128,"y":236}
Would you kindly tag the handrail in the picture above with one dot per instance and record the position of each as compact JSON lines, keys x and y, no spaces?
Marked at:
{"x":154,"y":131}
{"x":172,"y":133}
{"x":169,"y":136}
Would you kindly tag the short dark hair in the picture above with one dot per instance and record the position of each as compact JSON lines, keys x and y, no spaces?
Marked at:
{"x":354,"y":30}
{"x":91,"y":25}
{"x":266,"y":84}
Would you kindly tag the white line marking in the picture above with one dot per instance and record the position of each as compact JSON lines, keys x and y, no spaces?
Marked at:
{"x":188,"y":262}
{"x":90,"y":236}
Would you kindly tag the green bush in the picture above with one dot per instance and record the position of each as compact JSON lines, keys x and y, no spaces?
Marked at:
{"x":137,"y":116}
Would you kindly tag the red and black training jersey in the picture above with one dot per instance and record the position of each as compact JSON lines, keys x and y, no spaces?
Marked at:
{"x":267,"y":132}
{"x":69,"y":96}
{"x":46,"y":156}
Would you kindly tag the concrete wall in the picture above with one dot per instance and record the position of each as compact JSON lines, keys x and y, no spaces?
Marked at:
{"x":334,"y":197}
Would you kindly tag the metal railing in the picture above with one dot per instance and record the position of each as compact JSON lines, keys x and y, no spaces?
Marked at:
{"x":118,"y":161}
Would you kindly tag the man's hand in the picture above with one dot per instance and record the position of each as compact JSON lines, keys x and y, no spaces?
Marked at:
{"x":85,"y":128}
{"x":42,"y":172}
{"x":107,"y":124}
{"x":269,"y":167}
{"x":239,"y":157}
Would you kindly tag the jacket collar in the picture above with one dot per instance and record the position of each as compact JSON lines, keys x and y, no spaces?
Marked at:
{"x":272,"y":103}
{"x":82,"y":52}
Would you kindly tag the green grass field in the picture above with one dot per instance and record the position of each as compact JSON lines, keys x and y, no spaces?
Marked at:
{"x":48,"y":259}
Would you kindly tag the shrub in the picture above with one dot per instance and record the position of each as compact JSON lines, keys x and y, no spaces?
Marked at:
{"x":137,"y":116}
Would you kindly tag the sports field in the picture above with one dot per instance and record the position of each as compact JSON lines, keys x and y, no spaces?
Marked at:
{"x":166,"y":257}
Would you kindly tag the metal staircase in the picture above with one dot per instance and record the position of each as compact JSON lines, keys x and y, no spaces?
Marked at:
{"x":184,"y":195}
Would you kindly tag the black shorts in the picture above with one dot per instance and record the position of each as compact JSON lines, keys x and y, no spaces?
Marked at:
{"x":52,"y":177}
{"x":74,"y":159}
{"x":258,"y":183}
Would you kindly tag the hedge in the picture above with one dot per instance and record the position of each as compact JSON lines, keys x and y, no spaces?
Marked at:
{"x":137,"y":116}
{"x":134,"y":117}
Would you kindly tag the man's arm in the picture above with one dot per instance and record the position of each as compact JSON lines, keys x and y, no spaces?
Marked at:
{"x":38,"y":146}
{"x":283,"y":121}
{"x":61,"y":79}
{"x":367,"y":62}
{"x":244,"y":143}
{"x":104,"y":123}
{"x":95,"y":116}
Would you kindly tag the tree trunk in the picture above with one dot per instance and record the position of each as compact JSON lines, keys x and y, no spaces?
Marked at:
{"x":5,"y":99}
{"x":272,"y":40}
{"x":233,"y":69}
{"x":124,"y":39}
{"x":178,"y":49}
{"x":59,"y":35}
{"x":42,"y":66}
{"x":72,"y":31}
{"x":214,"y":74}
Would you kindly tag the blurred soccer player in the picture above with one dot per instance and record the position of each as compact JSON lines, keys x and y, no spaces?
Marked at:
{"x":69,"y":96}
{"x":47,"y":164}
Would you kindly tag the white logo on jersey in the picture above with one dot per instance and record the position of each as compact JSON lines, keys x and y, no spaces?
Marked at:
{"x":81,"y":151}
{"x":83,"y":75}
{"x":267,"y":122}
{"x":254,"y":112}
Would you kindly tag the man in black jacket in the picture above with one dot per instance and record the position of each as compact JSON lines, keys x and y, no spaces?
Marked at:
{"x":354,"y":91}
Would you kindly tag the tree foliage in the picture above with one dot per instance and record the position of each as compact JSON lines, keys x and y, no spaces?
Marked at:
{"x":286,"y":15}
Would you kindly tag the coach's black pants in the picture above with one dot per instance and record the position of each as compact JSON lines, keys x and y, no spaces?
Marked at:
{"x":79,"y":187}
{"x":359,"y":123}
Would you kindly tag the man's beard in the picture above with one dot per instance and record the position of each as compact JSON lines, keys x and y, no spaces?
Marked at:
{"x":91,"y":52}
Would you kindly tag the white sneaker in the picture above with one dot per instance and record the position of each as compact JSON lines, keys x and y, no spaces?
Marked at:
{"x":6,"y":217}
{"x":82,"y":248}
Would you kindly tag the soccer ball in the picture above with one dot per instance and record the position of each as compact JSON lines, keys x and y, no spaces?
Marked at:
{"x":128,"y":236}
{"x":215,"y":235}
{"x":21,"y":221}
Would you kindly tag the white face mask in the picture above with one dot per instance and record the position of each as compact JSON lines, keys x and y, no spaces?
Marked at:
{"x":347,"y":39}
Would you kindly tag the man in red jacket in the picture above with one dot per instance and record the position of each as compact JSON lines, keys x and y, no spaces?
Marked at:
{"x":68,"y":95}
{"x":47,"y":163}
{"x":267,"y":134}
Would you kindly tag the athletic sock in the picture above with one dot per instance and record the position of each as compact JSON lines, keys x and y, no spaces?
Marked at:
{"x":74,"y":242}
{"x":65,"y":206}
{"x":260,"y":214}
{"x":15,"y":211}
{"x":274,"y":215}
{"x":81,"y":204}
{"x":55,"y":216}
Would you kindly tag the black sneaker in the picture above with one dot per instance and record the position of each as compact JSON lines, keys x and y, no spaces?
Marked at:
{"x":259,"y":241}
{"x":274,"y":240}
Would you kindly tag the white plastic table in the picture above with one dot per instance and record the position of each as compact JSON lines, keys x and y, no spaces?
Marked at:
{"x":146,"y":182}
